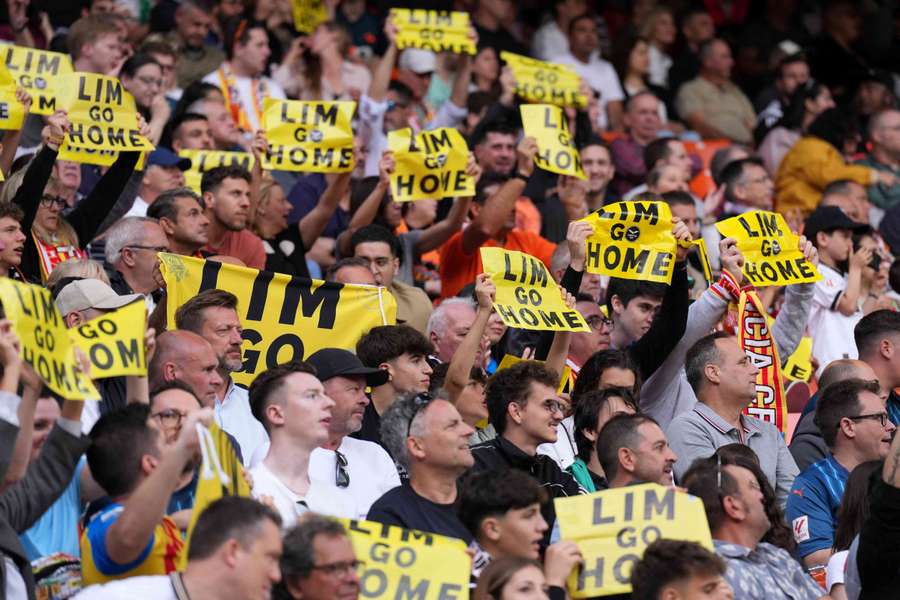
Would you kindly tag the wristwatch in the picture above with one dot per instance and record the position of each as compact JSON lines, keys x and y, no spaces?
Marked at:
{"x":518,"y":175}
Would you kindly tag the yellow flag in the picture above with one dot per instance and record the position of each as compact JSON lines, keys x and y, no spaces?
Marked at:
{"x":37,"y":71}
{"x":556,"y":150}
{"x":435,"y":30}
{"x":115,"y":341}
{"x":544,"y":82}
{"x":402,"y":563}
{"x":284,"y":318}
{"x":527,"y":296}
{"x":102,"y":113}
{"x":431,"y":165}
{"x":308,"y":14}
{"x":309,"y":136}
{"x":44,"y":339}
{"x":771,"y":250}
{"x":204,"y":160}
{"x":613,"y":527}
{"x":632,"y":240}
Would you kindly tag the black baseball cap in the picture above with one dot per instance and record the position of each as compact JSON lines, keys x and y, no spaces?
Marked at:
{"x":334,"y":362}
{"x":827,"y":219}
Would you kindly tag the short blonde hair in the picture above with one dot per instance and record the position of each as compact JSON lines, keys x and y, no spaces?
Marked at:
{"x":78,"y":267}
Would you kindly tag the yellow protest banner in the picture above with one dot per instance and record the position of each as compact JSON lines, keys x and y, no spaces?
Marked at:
{"x":771,"y":250}
{"x":44,"y":339}
{"x":545,"y":82}
{"x":431,"y":165}
{"x":102,"y":113}
{"x":632,"y":240}
{"x":509,"y":360}
{"x":402,"y":563}
{"x":613,"y":527}
{"x":799,"y":366}
{"x":204,"y":160}
{"x":12,"y":112}
{"x":37,"y":71}
{"x":309,"y":136}
{"x":308,"y":14}
{"x":284,"y":318}
{"x":435,"y":30}
{"x":527,"y":296}
{"x":115,"y":341}
{"x":548,"y":125}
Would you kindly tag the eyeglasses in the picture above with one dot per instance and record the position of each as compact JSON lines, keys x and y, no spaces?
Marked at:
{"x":47,"y":201}
{"x":341,"y":476}
{"x":340,"y":568}
{"x":881,"y":416}
{"x":169,"y":418}
{"x":598,"y":322}
{"x":154,"y":248}
{"x":553,"y":406}
{"x":419,"y":401}
{"x":149,"y":81}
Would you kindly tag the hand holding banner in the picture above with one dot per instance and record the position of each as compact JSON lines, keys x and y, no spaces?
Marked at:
{"x":37,"y":71}
{"x":556,"y":150}
{"x":308,"y":136}
{"x":545,"y":82}
{"x":431,"y":165}
{"x":632,"y":240}
{"x":527,"y":297}
{"x":435,"y":30}
{"x":771,"y":250}
{"x":613,"y":527}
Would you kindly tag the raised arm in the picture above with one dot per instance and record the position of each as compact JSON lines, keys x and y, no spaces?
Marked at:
{"x":381,"y":75}
{"x":368,"y":210}
{"x":495,"y":212}
{"x":438,"y":233}
{"x":848,"y":303}
{"x":464,"y":358}
{"x":38,"y":172}
{"x":313,"y":224}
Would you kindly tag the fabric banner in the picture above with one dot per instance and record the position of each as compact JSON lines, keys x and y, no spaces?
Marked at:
{"x":308,"y":14}
{"x":312,"y":137}
{"x":284,"y":318}
{"x":205,"y":160}
{"x":402,"y":563}
{"x":12,"y":112}
{"x":613,"y":527}
{"x":772,"y":255}
{"x":755,"y":336}
{"x":114,"y":342}
{"x":44,"y":339}
{"x":435,"y":30}
{"x":37,"y":71}
{"x":102,"y":113}
{"x":220,"y":474}
{"x":431,"y":165}
{"x":527,"y":296}
{"x":545,"y":82}
{"x":556,"y":149}
{"x":632,"y":240}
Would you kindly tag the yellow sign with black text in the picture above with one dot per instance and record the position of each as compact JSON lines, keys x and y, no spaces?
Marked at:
{"x":545,"y":82}
{"x":613,"y":527}
{"x":527,"y":296}
{"x":37,"y":71}
{"x":12,"y":112}
{"x":402,"y":563}
{"x":103,"y":115}
{"x":548,"y":125}
{"x":772,"y":255}
{"x":309,"y":136}
{"x":435,"y":30}
{"x":632,"y":240}
{"x":114,"y":342}
{"x":799,"y":365}
{"x":45,"y":341}
{"x":308,"y":14}
{"x":284,"y":318}
{"x":205,"y":160}
{"x":431,"y":165}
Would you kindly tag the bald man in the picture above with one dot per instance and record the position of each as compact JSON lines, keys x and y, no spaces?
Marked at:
{"x":807,"y":445}
{"x":187,"y":357}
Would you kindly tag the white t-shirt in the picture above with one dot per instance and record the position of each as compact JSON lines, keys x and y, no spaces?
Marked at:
{"x":549,"y":41}
{"x":831,"y":332}
{"x":147,"y":587}
{"x":834,"y":573}
{"x":138,"y":209}
{"x":319,"y":498}
{"x":370,"y":467}
{"x":235,"y":417}
{"x":563,"y":450}
{"x":601,"y":76}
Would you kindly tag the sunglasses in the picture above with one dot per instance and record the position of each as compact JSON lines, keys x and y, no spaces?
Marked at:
{"x":341,"y":475}
{"x":420,"y":400}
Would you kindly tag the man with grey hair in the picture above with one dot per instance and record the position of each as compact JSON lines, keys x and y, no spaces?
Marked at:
{"x":318,"y":562}
{"x":428,"y":438}
{"x":448,"y":325}
{"x":132,"y":264}
{"x":724,"y":380}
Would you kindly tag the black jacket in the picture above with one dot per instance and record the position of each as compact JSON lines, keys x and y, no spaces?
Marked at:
{"x":807,"y":445}
{"x":499,"y":454}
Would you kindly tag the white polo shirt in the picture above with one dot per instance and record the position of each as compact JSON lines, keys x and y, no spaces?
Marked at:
{"x":319,"y":498}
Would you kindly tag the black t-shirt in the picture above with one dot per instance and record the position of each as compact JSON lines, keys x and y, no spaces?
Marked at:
{"x":404,"y":507}
{"x":371,"y":426}
{"x":285,"y":253}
